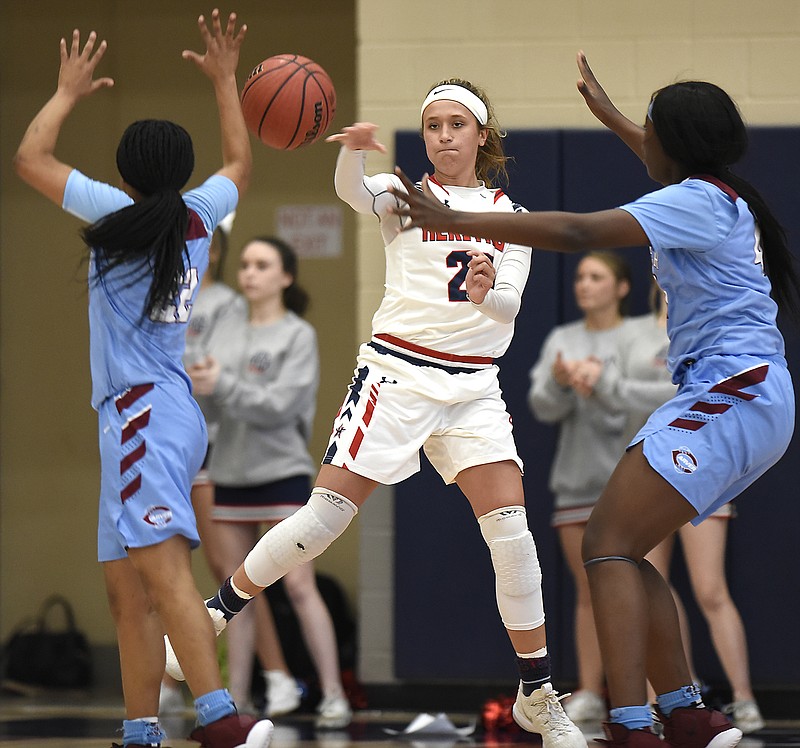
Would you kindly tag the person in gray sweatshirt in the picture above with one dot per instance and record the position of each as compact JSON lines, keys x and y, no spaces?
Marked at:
{"x":260,"y":379}
{"x":590,"y":439}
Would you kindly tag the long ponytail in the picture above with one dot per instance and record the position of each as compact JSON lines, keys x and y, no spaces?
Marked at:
{"x":156,"y":158}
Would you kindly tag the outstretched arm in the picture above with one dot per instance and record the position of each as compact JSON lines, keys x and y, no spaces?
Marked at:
{"x":558,"y":231}
{"x":35,"y":159}
{"x":602,"y":107}
{"x":219,"y":64}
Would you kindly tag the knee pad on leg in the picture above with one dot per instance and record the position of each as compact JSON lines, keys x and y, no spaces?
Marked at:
{"x":299,"y":538}
{"x":516,"y":567}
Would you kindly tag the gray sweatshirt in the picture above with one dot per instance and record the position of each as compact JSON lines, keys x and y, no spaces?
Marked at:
{"x":591,"y":431}
{"x":638,"y":380}
{"x":265,"y":398}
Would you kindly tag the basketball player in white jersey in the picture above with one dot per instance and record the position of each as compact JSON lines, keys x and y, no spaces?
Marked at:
{"x":427,"y":378}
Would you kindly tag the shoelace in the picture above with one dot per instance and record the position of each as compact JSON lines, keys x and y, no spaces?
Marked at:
{"x":550,"y":709}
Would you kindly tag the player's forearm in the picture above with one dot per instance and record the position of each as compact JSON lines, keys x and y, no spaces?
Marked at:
{"x":237,"y":158}
{"x":628,"y":132}
{"x":34,"y":160}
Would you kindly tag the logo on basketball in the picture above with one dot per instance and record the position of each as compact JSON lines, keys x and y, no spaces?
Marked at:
{"x":158,"y":516}
{"x":684,"y":461}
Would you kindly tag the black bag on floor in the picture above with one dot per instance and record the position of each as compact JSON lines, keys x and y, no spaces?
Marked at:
{"x":39,"y":654}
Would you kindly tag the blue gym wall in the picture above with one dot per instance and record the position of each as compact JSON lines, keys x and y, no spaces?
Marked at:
{"x":446,"y":622}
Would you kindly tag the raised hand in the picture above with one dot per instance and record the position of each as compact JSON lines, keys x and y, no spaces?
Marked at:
{"x":222,"y":47}
{"x":593,"y":93}
{"x":603,"y":108}
{"x":359,"y":136}
{"x":76,"y":75}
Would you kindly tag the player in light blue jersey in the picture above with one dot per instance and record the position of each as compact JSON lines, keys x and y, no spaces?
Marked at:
{"x":148,"y":251}
{"x":721,"y":258}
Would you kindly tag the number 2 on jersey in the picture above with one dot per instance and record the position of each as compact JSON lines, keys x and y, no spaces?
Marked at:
{"x":458,"y":259}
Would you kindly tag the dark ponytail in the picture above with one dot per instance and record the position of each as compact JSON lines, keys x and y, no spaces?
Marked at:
{"x":154,"y":157}
{"x":700,"y":127}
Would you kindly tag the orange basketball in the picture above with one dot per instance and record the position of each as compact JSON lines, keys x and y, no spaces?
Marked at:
{"x":288,"y":101}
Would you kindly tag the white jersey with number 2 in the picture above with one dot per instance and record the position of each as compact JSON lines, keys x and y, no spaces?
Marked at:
{"x":425,"y":302}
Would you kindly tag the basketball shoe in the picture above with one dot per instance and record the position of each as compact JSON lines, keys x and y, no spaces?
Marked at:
{"x":333,"y":713}
{"x":172,"y":666}
{"x":542,"y":712}
{"x":234,"y":731}
{"x":283,"y":693}
{"x":619,"y":735}
{"x":698,"y":727}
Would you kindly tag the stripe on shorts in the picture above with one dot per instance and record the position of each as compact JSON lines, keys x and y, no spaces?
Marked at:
{"x":133,"y":429}
{"x":730,"y":387}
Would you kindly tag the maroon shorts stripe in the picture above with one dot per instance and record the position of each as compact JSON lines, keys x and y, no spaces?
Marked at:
{"x":734,"y":385}
{"x":687,"y":424}
{"x":132,"y":395}
{"x":134,"y":457}
{"x":711,"y":409}
{"x":131,"y":488}
{"x":135,"y":425}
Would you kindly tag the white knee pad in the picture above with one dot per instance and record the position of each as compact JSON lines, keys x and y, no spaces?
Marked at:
{"x":516,"y":567}
{"x":300,"y":537}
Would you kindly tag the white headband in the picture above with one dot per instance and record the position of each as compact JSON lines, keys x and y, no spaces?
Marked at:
{"x":461,"y":95}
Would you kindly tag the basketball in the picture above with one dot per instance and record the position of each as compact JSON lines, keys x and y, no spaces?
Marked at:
{"x":288,"y":101}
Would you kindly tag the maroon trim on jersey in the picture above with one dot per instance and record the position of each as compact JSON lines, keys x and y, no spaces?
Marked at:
{"x":726,"y":188}
{"x":405,"y":345}
{"x":437,"y":183}
{"x":498,"y":194}
{"x":132,"y":395}
{"x":195,"y":229}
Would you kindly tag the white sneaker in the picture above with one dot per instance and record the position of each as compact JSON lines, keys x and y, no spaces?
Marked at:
{"x":283,"y":693}
{"x":333,"y":713}
{"x":542,"y":712}
{"x":170,"y":700}
{"x":172,"y":666}
{"x":745,"y":715}
{"x":585,"y":706}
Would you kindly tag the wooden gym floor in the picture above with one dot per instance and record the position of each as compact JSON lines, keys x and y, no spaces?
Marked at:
{"x":51,"y":720}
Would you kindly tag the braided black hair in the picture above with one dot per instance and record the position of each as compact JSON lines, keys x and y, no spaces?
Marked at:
{"x":700,"y":127}
{"x":156,"y":158}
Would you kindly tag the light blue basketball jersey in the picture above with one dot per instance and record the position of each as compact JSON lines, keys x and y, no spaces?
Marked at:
{"x":127,"y":346}
{"x":706,"y":256}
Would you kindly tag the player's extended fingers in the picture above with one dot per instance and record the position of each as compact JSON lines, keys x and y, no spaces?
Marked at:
{"x":426,"y":188}
{"x":98,"y":55}
{"x":407,"y":183}
{"x":203,"y":26}
{"x":76,"y":43}
{"x":216,"y":24}
{"x":89,"y":46}
{"x":231,"y":26}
